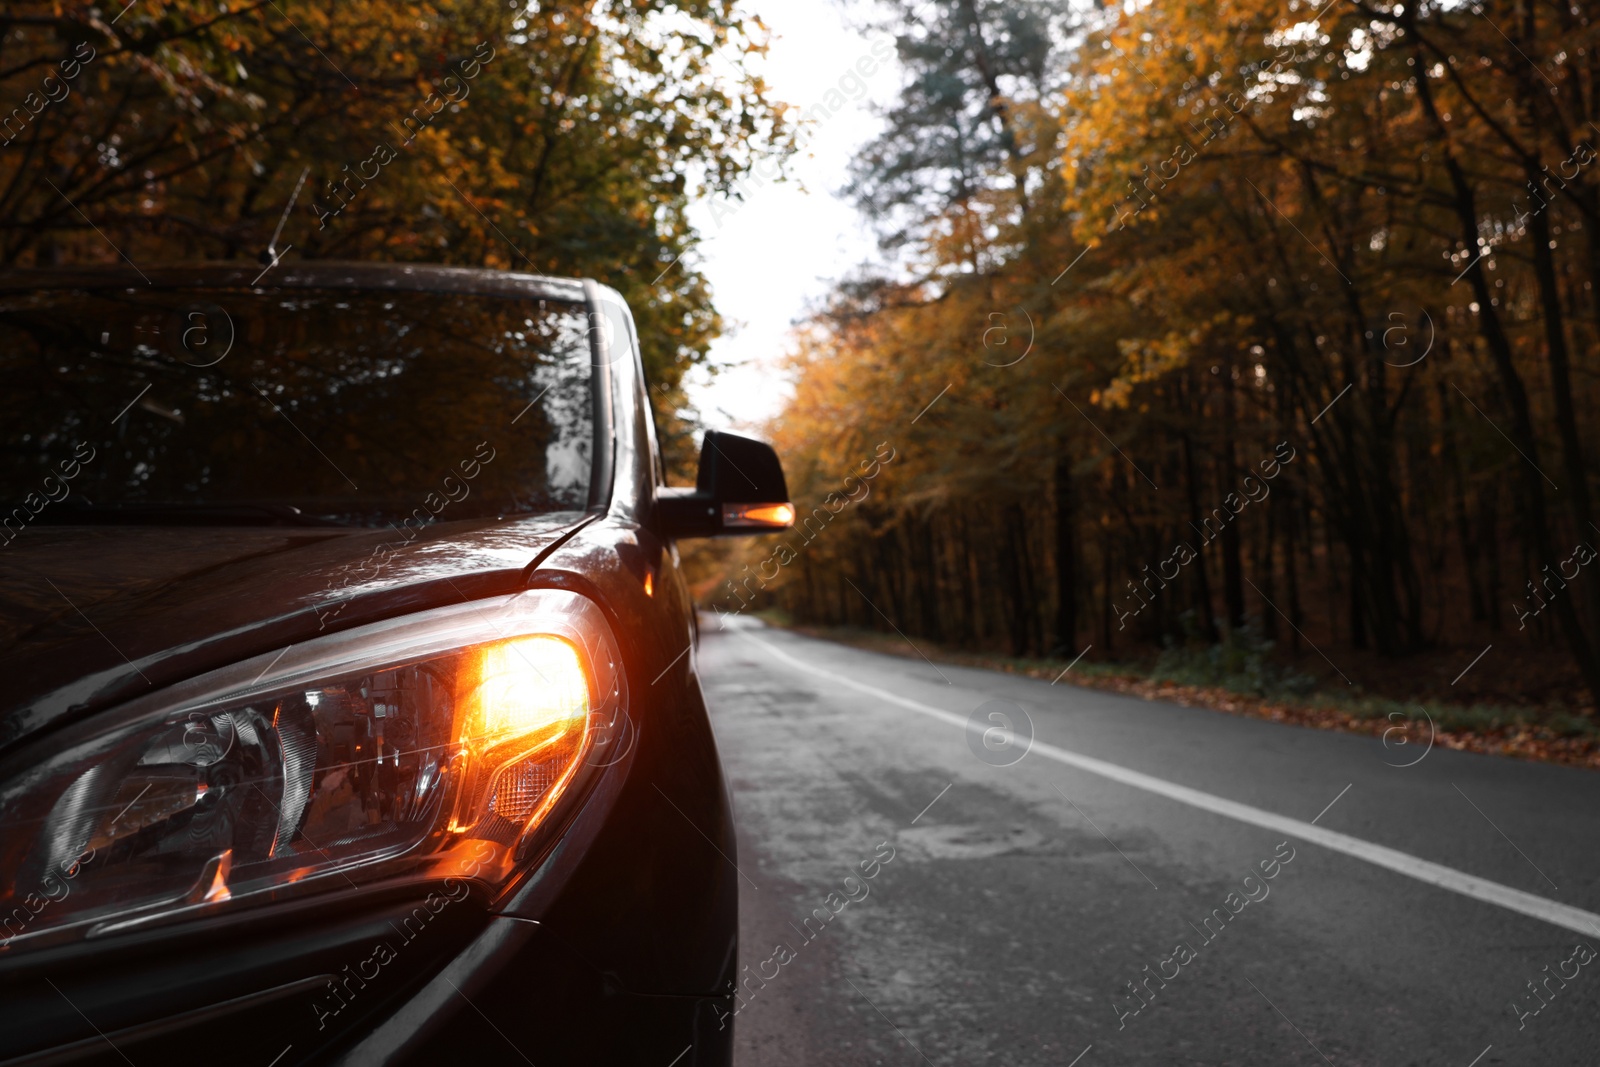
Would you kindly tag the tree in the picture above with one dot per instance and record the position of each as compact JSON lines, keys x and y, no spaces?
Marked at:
{"x":556,"y":138}
{"x":1231,"y":231}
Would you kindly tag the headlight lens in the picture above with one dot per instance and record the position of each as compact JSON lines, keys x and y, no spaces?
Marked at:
{"x":429,"y":746}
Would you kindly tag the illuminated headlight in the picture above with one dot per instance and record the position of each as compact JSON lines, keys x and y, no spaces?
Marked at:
{"x":430,"y":746}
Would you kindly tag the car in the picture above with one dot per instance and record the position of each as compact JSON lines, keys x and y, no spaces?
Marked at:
{"x":351,"y":711}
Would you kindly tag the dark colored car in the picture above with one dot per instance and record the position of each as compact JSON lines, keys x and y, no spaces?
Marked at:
{"x":350,"y":711}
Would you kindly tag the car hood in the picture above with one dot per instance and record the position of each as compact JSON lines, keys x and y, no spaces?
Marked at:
{"x":93,"y":615}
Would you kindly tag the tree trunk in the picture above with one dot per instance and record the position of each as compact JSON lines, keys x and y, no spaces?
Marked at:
{"x":1208,"y":620}
{"x":1232,"y":566}
{"x":1513,"y":390}
{"x":1066,"y":505}
{"x":1577,"y":475}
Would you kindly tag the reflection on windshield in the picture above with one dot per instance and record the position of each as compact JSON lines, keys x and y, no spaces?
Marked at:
{"x":293,"y":405}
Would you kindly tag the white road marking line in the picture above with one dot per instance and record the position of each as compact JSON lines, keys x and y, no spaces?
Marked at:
{"x":1502,"y":833}
{"x":1479,"y":1056}
{"x":1435,"y":874}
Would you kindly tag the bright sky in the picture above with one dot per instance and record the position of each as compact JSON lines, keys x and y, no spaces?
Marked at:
{"x":767,"y":256}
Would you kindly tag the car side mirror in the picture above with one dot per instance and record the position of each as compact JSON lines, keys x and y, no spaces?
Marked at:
{"x":740,"y":489}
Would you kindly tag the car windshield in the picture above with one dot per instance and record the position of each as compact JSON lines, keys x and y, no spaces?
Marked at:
{"x":305,"y":405}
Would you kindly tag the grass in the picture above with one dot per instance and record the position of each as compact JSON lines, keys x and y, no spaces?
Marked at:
{"x":1241,"y":676}
{"x":1242,"y":664}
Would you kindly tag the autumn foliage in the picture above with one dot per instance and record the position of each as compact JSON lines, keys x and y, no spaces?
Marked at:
{"x":1146,"y":246}
{"x":563,"y":137}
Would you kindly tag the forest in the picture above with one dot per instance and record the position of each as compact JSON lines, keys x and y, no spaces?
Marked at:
{"x":1198,"y":326}
{"x":1220,"y":324}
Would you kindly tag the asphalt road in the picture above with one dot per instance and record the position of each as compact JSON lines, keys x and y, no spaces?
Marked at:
{"x":1021,"y":899}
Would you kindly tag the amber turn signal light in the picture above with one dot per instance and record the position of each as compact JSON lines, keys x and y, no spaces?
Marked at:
{"x":523,"y":715}
{"x":758,"y":516}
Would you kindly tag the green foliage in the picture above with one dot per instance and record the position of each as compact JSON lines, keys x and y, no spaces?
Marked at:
{"x":1458,"y":718}
{"x":1242,"y":662}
